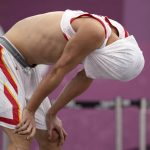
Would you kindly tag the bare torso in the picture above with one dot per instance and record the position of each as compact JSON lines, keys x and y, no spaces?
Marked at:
{"x":40,"y":39}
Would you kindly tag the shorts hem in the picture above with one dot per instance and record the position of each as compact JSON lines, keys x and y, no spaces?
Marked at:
{"x":7,"y":125}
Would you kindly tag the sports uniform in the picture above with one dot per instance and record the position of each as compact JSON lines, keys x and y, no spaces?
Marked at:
{"x":122,"y":60}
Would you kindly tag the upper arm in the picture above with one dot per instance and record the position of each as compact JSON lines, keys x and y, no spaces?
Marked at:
{"x":87,"y":39}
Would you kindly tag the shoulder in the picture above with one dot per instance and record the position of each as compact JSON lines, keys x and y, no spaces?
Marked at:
{"x":90,"y":27}
{"x":89,"y":31}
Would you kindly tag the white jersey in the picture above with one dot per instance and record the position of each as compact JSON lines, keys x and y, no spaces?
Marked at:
{"x":122,"y":60}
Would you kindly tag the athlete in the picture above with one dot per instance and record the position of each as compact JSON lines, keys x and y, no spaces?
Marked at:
{"x":63,"y":39}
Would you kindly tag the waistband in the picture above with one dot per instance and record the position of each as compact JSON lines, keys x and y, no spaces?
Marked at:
{"x":9,"y":46}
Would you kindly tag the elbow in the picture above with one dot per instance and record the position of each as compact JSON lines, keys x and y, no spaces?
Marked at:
{"x":57,"y":73}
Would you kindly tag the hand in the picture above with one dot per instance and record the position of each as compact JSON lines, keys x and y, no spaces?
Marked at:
{"x":55,"y":124}
{"x":27,"y":125}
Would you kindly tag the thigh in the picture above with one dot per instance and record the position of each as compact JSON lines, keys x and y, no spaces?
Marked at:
{"x":18,"y":142}
{"x":42,"y":139}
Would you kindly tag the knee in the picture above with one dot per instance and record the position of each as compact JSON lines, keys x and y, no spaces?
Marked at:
{"x":49,"y":146}
{"x":17,"y":142}
{"x":18,"y":147}
{"x":21,"y":144}
{"x":46,"y":144}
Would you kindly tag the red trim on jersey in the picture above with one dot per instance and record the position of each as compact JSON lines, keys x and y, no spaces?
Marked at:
{"x":15,"y":109}
{"x":90,"y":15}
{"x":6,"y":71}
{"x":126,"y":33}
{"x":107,"y":20}
{"x":110,"y":24}
{"x":65,"y":36}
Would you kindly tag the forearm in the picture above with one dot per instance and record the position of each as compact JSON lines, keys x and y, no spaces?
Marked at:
{"x":77,"y":86}
{"x":46,"y":86}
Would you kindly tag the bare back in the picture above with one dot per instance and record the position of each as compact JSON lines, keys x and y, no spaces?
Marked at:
{"x":39,"y":38}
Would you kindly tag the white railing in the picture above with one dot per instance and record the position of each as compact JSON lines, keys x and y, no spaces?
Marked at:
{"x":118,"y":105}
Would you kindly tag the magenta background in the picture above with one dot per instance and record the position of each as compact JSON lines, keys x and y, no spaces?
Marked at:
{"x":95,"y":129}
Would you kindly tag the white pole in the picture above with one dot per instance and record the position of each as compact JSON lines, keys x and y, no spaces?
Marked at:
{"x":119,"y":124}
{"x":142,"y":124}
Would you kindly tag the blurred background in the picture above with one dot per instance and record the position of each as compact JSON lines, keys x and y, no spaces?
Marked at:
{"x":90,"y":128}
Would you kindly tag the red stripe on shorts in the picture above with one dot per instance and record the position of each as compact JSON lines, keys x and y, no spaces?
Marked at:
{"x":15,"y":109}
{"x":6,"y":71}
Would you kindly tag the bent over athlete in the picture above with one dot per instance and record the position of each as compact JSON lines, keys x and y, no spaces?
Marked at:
{"x":64,"y":39}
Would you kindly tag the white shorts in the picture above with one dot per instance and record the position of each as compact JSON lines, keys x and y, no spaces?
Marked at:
{"x":16,"y":87}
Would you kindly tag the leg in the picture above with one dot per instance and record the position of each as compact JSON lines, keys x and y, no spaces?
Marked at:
{"x":17,"y":142}
{"x":44,"y":143}
{"x":41,"y":133}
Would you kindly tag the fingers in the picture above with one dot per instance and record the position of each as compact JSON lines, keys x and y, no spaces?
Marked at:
{"x":31,"y":135}
{"x":50,"y":133}
{"x":30,"y":131}
{"x":26,"y":130}
{"x":22,"y":126}
{"x":61,"y":137}
{"x":64,"y":133}
{"x":58,"y":137}
{"x":55,"y":124}
{"x":26,"y":127}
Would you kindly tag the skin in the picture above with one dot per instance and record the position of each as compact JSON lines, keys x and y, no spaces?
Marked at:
{"x":40,"y":40}
{"x":19,"y":142}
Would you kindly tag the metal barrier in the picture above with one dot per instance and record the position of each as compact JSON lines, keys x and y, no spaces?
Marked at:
{"x":117,"y":105}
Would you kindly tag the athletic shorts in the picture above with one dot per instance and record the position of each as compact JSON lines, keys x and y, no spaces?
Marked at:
{"x":16,"y":87}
